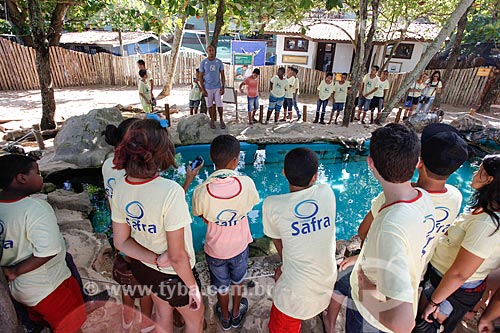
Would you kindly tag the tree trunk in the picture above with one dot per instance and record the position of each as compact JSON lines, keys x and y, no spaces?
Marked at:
{"x":491,"y":93}
{"x":176,"y":45}
{"x":219,"y":22}
{"x":42,"y":64}
{"x":452,"y":61}
{"x":19,"y":20}
{"x":371,"y":34}
{"x":120,"y":40}
{"x":206,"y":23}
{"x":56,"y":23}
{"x":160,"y":62}
{"x":357,"y":69}
{"x":395,"y":46}
{"x":427,"y":56}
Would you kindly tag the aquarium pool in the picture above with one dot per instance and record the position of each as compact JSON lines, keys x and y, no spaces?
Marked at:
{"x":345,"y":170}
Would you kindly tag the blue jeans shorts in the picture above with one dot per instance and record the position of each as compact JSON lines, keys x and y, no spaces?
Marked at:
{"x":364,"y":103}
{"x":253,"y":103}
{"x":288,"y":104}
{"x":275,"y":103}
{"x":194,"y":104}
{"x":338,"y":107}
{"x":224,"y":272}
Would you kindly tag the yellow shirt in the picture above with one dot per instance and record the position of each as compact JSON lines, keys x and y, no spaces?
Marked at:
{"x":391,"y":256}
{"x":340,"y":91}
{"x":110,"y":175}
{"x":369,"y":85}
{"x":151,"y":209}
{"x":477,"y":234}
{"x":278,"y":86}
{"x":382,"y":86}
{"x":325,"y":90}
{"x":31,"y":229}
{"x":224,"y":201}
{"x":419,"y":86}
{"x":305,"y":223}
{"x":446,"y":208}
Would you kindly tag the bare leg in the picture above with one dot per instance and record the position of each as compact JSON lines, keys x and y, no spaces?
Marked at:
{"x":195,"y":110}
{"x":364,"y":116}
{"x":191,"y":112}
{"x":146,"y":310}
{"x":128,"y":310}
{"x":332,"y":312}
{"x":237,"y":293}
{"x":223,"y":300}
{"x":164,"y":315}
{"x":269,"y":113}
{"x":250,"y":118}
{"x":221,"y":110}
{"x":211,"y":111}
{"x":276,"y":116}
{"x":193,"y":319}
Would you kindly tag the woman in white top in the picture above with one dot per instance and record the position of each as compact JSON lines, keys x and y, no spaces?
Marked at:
{"x":470,"y":250}
{"x":433,"y":87}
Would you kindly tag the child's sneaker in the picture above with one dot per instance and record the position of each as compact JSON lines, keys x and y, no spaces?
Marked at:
{"x":236,"y":321}
{"x":225,"y":323}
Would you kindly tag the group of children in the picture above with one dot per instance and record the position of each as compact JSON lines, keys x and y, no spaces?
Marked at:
{"x":411,"y":236}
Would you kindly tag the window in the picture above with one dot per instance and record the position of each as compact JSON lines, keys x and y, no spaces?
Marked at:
{"x":296,"y":44}
{"x":403,"y":51}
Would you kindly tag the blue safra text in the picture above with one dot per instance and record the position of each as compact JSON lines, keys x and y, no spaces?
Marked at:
{"x":308,"y":226}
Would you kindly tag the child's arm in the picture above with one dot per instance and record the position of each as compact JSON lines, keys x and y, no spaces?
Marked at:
{"x":492,"y":312}
{"x":126,"y":244}
{"x":241,"y":86}
{"x":365,"y":226}
{"x":144,"y":96}
{"x":25,"y":266}
{"x":278,"y":243}
{"x":190,"y":174}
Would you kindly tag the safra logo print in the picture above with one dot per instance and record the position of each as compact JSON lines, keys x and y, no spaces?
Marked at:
{"x":7,"y":244}
{"x":109,"y":189}
{"x":228,"y":218}
{"x":135,"y":212}
{"x":306,"y":212}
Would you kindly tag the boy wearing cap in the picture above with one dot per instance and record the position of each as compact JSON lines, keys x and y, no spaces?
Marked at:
{"x":443,"y":152}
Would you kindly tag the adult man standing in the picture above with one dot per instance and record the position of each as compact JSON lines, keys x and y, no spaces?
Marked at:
{"x":212,"y":81}
{"x":367,"y":90}
{"x":142,"y":65}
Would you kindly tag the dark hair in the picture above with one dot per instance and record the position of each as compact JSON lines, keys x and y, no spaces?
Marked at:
{"x":487,"y":197}
{"x":113,"y":135}
{"x":143,"y":72}
{"x":394,"y":150}
{"x":376,"y":67}
{"x":197,"y":70}
{"x":345,"y":74}
{"x":301,"y":164}
{"x":385,"y":71}
{"x":282,"y":69}
{"x":256,"y":71}
{"x":141,"y":62}
{"x":223,"y":149}
{"x":434,"y":73}
{"x":295,"y":70}
{"x":329,"y":74}
{"x":12,"y":165}
{"x":145,"y":150}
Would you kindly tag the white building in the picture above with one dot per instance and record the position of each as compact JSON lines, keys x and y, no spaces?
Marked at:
{"x":327,"y":45}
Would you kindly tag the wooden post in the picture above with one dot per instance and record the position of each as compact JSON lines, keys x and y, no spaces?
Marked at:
{"x":261,"y":114}
{"x":398,"y":115}
{"x":38,"y":136}
{"x":304,"y":113}
{"x":167,"y":114}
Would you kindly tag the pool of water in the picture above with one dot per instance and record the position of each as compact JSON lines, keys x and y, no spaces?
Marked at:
{"x":345,"y":170}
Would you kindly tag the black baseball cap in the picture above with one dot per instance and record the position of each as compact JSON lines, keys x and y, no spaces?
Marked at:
{"x":443,"y":149}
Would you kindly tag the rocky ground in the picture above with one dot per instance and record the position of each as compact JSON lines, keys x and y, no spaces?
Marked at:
{"x":92,"y":251}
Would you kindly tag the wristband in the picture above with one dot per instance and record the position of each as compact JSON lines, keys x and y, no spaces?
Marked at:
{"x":156,"y":263}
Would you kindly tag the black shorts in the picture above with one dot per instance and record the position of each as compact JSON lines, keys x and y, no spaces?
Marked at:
{"x":414,"y":100}
{"x":168,"y":287}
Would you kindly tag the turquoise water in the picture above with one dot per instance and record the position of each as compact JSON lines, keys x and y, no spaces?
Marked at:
{"x":345,"y":170}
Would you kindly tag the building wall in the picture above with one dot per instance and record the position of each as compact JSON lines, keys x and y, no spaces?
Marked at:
{"x":280,"y":52}
{"x":406,"y":65}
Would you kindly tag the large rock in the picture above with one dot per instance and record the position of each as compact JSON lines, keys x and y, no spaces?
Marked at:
{"x":63,"y":199}
{"x":420,"y":120}
{"x":196,"y":129}
{"x":80,"y":140}
{"x":468,"y":123}
{"x":70,"y":219}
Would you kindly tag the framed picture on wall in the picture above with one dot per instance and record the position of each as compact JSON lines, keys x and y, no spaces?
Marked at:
{"x":394,"y":67}
{"x":403,"y":51}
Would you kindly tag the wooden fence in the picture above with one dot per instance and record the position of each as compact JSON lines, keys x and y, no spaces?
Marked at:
{"x":70,"y":68}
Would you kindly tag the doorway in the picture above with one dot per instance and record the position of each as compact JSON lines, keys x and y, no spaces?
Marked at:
{"x":324,"y":57}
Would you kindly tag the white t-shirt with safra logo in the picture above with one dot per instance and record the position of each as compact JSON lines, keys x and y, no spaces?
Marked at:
{"x":305,"y":223}
{"x":382,"y":86}
{"x":325,"y":90}
{"x":391,"y":256}
{"x":30,"y":227}
{"x":369,"y":85}
{"x":340,"y":91}
{"x":152,"y":208}
{"x":278,"y":86}
{"x":110,"y":175}
{"x":446,"y":208}
{"x":475,"y":232}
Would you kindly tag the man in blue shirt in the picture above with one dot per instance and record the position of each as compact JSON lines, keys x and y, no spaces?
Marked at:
{"x":212,"y":81}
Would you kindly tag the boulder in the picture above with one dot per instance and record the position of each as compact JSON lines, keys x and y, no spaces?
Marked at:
{"x":419,"y":121}
{"x":80,"y":140}
{"x":70,"y":219}
{"x":63,"y":199}
{"x":193,"y":129}
{"x":468,"y":123}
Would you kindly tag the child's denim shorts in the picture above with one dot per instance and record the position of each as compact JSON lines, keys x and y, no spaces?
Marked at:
{"x":224,"y":272}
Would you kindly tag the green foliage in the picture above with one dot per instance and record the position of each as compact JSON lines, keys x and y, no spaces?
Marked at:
{"x":5,"y":27}
{"x":481,"y":26}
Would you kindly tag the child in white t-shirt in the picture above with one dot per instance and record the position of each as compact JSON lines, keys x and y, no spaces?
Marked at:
{"x":325,"y":90}
{"x":223,"y":201}
{"x":145,"y":91}
{"x":195,"y":94}
{"x":302,"y":226}
{"x":33,"y":257}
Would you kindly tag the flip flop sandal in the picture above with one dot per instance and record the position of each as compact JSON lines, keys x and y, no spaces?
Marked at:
{"x":212,"y":126}
{"x":223,"y":126}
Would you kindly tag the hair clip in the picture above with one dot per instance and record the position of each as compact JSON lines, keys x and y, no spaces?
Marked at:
{"x":163,"y":122}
